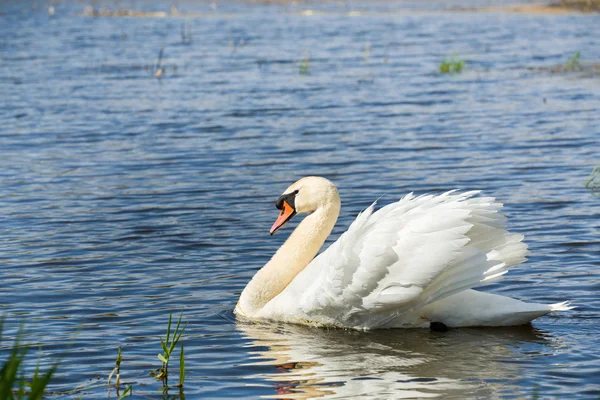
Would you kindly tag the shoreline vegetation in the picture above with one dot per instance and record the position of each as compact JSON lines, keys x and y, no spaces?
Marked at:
{"x":14,"y":385}
{"x":555,"y":7}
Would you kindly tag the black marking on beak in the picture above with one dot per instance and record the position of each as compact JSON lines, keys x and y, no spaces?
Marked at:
{"x":289,"y":198}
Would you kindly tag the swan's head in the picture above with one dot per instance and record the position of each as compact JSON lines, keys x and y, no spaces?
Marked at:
{"x":305,"y":196}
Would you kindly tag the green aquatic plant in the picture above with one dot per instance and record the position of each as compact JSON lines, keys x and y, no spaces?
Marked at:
{"x":305,"y":64}
{"x":452,"y":65}
{"x":181,"y":367}
{"x":573,"y":63}
{"x":117,"y":369}
{"x":593,"y":182}
{"x":168,"y":345}
{"x":12,"y":379}
{"x":128,"y":391}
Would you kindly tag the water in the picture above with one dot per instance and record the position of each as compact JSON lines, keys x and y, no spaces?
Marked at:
{"x":123,"y":197}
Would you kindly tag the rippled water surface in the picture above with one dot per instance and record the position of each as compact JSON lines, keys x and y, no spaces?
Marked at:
{"x":124,"y":196}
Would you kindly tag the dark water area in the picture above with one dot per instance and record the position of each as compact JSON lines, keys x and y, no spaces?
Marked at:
{"x":124,"y":197}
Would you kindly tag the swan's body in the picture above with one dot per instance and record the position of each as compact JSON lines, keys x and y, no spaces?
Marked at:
{"x":410,"y":263}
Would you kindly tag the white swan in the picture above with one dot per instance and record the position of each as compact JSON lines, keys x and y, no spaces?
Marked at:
{"x":407,"y":265}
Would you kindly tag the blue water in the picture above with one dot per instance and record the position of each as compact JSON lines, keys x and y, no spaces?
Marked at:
{"x":124,"y":196}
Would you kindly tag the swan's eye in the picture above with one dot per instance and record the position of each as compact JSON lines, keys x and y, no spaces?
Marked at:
{"x":296,"y":191}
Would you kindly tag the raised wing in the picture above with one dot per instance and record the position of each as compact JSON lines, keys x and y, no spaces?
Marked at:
{"x":403,"y":257}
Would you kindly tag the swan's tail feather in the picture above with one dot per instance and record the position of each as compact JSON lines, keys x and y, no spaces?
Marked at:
{"x":564,"y":306}
{"x":474,"y":308}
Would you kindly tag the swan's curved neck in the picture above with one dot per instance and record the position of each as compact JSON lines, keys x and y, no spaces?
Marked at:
{"x":291,"y":258}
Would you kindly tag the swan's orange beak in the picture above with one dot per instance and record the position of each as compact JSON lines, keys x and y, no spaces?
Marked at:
{"x":287,"y":212}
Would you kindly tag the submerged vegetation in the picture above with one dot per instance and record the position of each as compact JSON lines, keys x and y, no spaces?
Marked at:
{"x":452,"y":65}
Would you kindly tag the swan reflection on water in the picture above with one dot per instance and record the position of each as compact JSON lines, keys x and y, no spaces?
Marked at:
{"x":416,"y":363}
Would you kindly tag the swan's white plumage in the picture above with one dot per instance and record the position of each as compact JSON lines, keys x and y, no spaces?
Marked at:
{"x":411,"y":262}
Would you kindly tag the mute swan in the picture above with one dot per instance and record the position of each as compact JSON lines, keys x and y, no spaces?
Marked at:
{"x":410,"y":264}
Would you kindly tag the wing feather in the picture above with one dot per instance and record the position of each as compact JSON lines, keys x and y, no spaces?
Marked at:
{"x":408,"y":254}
